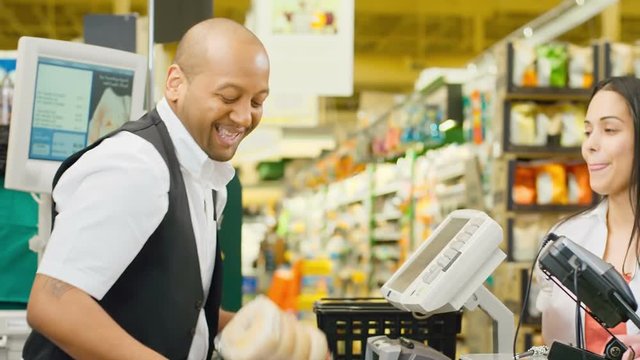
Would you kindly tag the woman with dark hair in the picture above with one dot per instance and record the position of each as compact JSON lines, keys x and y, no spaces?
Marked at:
{"x":611,"y":228}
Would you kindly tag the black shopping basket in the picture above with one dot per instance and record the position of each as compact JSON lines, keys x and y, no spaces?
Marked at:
{"x":348,"y":323}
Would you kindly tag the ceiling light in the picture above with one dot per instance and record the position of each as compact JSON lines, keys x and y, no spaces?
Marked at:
{"x":527,"y":32}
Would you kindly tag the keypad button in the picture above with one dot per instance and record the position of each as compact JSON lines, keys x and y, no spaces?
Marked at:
{"x":443,"y":261}
{"x":472,"y":228}
{"x":451,"y":253}
{"x":429,"y":279}
{"x":457,"y":244}
{"x":463,"y":237}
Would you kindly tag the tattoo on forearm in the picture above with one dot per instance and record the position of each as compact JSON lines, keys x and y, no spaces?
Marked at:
{"x":57,"y":287}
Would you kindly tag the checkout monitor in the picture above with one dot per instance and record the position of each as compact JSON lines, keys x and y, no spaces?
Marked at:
{"x":449,"y":266}
{"x":67,"y":95}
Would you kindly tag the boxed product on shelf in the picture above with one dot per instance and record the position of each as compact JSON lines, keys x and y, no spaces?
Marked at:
{"x":551,"y":65}
{"x":536,"y":124}
{"x":550,"y":183}
{"x":581,"y":67}
{"x":578,"y":189}
{"x":525,"y":234}
{"x":622,"y":59}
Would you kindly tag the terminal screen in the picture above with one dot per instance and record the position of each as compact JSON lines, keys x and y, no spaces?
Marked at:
{"x":74,"y":104}
{"x":428,"y":254}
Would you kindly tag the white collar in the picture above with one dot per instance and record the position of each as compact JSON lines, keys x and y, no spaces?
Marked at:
{"x":191,"y":157}
{"x":600,"y":211}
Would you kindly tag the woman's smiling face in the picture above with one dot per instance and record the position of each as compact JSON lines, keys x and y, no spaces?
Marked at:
{"x":608,"y":146}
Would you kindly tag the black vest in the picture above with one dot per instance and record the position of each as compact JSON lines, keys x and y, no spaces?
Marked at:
{"x":159,"y":296}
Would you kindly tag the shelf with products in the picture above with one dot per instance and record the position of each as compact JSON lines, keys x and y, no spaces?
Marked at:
{"x":548,"y":185}
{"x":388,"y":215}
{"x":384,"y":201}
{"x":621,"y":59}
{"x":525,"y":234}
{"x":547,"y":94}
{"x":391,"y":183}
{"x":527,"y":106}
{"x":553,"y":68}
{"x":542,"y":105}
{"x":547,"y":89}
{"x":426,"y":119}
{"x":346,"y":218}
{"x":438,"y":190}
{"x":543,"y":127}
{"x":542,"y":192}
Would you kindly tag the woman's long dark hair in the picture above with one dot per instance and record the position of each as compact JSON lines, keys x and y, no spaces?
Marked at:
{"x":629,"y":88}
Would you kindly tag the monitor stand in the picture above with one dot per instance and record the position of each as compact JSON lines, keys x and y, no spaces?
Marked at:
{"x":503,"y":323}
{"x":39,"y":241}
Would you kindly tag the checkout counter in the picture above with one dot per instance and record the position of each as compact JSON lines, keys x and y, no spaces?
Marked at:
{"x":446,"y":273}
{"x":13,"y":333}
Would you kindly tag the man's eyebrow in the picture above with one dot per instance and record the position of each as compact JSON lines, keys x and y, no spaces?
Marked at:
{"x":227,"y":86}
{"x":238,"y":88}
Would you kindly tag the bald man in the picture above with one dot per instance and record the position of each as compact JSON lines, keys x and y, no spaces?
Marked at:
{"x":132,"y":269}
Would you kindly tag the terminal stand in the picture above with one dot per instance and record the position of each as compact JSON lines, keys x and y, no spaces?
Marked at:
{"x":503,"y":327}
{"x":38,"y":242}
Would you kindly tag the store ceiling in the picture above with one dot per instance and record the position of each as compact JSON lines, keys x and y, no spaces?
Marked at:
{"x":394,"y":40}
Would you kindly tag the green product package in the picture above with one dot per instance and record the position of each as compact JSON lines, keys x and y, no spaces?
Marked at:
{"x":552,"y":64}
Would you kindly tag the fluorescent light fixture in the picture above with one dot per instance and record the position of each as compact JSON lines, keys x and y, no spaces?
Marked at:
{"x":564,"y":17}
{"x":447,"y":125}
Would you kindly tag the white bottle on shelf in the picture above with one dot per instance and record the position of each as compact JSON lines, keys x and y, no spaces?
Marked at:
{"x":6,"y":97}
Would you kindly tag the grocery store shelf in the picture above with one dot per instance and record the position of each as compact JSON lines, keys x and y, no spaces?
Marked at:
{"x":387,"y":237}
{"x":548,"y":94}
{"x":541,"y":151}
{"x":386,"y":190}
{"x":391,"y":216}
{"x":552,"y":208}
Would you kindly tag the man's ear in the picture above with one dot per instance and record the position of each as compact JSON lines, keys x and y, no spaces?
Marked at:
{"x":175,"y":81}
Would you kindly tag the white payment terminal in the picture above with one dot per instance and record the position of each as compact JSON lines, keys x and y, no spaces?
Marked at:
{"x":448,"y":270}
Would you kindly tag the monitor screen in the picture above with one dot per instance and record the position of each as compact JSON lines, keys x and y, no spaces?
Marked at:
{"x":420,"y":260}
{"x":67,"y":95}
{"x":74,"y":104}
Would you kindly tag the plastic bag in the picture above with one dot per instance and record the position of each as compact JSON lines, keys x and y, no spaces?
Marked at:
{"x":551,"y":184}
{"x":523,"y":124}
{"x":552,"y":65}
{"x":524,"y":68}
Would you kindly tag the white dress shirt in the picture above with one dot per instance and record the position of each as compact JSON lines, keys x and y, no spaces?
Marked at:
{"x":103,"y":221}
{"x":588,"y":230}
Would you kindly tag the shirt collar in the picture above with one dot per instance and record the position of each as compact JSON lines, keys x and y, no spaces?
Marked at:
{"x":600,"y":211}
{"x":191,"y":157}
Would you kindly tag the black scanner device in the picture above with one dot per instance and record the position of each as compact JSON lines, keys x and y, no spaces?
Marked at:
{"x":600,"y":286}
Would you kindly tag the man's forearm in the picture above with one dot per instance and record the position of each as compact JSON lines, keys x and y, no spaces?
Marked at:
{"x":223,"y":318}
{"x":77,"y":324}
